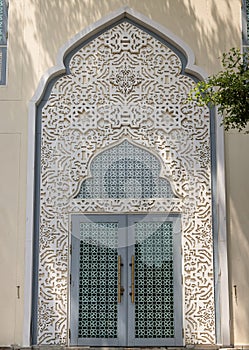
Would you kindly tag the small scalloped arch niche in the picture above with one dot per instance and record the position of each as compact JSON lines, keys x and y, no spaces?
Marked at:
{"x":125,"y":171}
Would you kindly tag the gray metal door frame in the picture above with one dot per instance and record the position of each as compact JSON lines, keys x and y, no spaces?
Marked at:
{"x":177,"y":340}
{"x":126,"y":308}
{"x":74,"y":297}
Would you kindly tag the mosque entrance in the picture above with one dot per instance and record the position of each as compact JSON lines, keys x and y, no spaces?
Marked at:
{"x":126,"y":280}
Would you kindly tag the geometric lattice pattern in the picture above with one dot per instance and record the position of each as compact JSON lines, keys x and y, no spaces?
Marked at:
{"x":98,"y":280}
{"x":2,"y":22}
{"x":154,"y":288}
{"x":124,"y":84}
{"x":125,"y":171}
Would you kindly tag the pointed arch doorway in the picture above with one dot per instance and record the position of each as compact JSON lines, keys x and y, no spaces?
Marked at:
{"x":126,"y":79}
{"x":126,"y":286}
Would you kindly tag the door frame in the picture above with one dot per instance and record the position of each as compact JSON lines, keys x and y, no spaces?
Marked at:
{"x":177,"y":281}
{"x":126,"y":337}
{"x":74,"y":285}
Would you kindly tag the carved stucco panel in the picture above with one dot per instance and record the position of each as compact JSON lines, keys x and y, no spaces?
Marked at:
{"x":125,"y":84}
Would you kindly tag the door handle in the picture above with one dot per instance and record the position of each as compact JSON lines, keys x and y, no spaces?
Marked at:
{"x":120,"y":288}
{"x":132,"y":294}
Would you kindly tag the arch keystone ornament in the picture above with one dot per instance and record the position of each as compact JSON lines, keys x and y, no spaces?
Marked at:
{"x":123,"y":83}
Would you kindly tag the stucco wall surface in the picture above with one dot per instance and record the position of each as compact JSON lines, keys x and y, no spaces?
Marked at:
{"x":37,"y":30}
{"x":238,"y":222}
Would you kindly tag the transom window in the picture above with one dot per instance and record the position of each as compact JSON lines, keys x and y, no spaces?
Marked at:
{"x":125,"y":171}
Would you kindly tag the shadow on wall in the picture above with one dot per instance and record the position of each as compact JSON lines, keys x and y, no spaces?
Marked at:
{"x":49,"y":24}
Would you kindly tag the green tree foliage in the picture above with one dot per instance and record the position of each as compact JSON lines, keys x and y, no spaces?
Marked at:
{"x":228,"y":90}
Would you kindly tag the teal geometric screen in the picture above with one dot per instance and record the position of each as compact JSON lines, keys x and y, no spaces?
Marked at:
{"x":125,"y":171}
{"x":98,"y":280}
{"x":154,"y":288}
{"x":3,"y":24}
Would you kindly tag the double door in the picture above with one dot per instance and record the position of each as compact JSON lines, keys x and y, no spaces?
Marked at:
{"x":126,"y":281}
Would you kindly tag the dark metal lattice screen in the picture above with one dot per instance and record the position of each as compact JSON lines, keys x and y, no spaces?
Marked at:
{"x":154,"y":287}
{"x":98,"y":280}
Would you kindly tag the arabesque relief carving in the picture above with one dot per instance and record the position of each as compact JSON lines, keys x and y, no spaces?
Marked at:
{"x":125,"y":84}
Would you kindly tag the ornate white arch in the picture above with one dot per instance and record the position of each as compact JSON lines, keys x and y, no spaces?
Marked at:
{"x":193,"y":335}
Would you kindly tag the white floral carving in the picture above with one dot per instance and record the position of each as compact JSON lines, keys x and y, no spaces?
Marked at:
{"x":124,"y":84}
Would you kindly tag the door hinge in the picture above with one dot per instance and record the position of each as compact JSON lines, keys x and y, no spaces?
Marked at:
{"x":70,"y":279}
{"x":183,"y":332}
{"x":69,"y":333}
{"x":70,"y":249}
{"x":182,"y":279}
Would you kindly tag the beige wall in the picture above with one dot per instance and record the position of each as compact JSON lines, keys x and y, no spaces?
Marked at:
{"x":37,"y":29}
{"x":237,"y":146}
